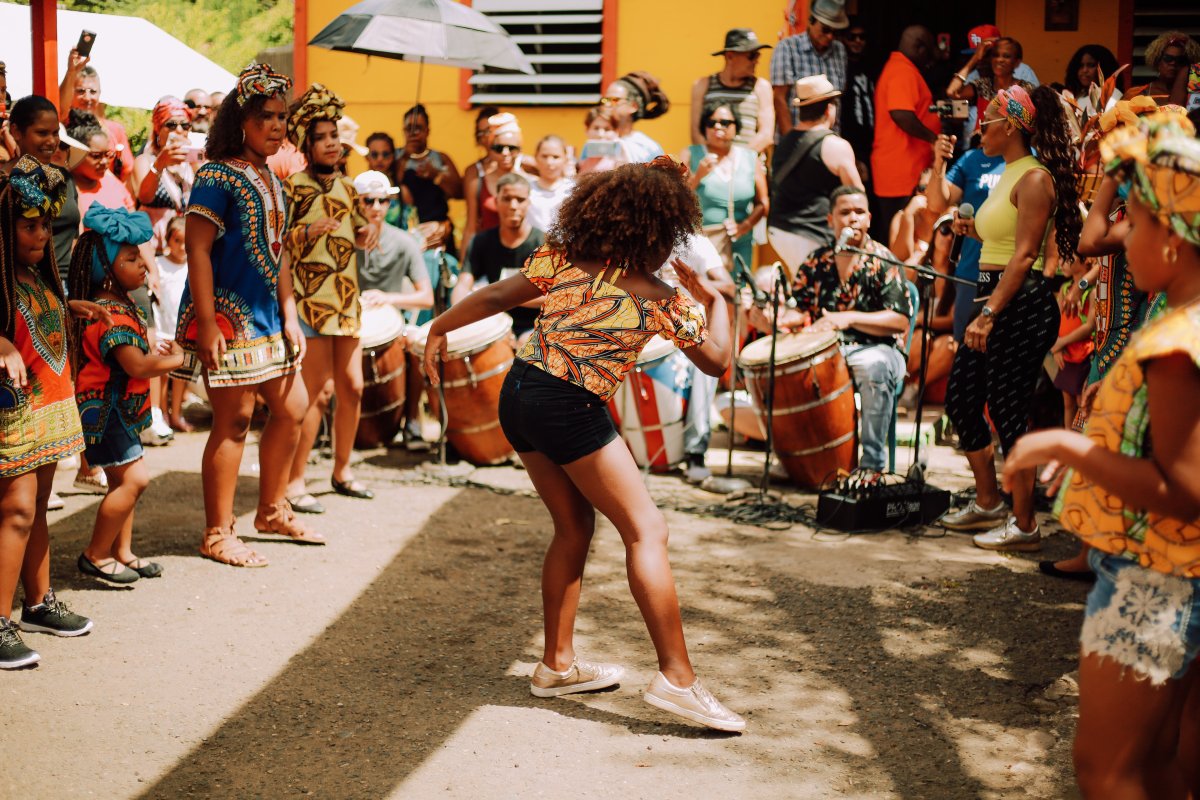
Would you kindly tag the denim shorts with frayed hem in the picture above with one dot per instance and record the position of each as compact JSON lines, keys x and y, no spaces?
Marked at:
{"x":117,"y":447}
{"x":1143,"y":619}
{"x":562,"y":421}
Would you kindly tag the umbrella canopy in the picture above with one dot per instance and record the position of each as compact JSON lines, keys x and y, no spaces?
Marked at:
{"x":138,"y":62}
{"x":428,"y":31}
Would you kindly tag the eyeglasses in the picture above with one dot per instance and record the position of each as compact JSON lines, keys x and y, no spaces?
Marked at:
{"x":753,"y":55}
{"x":504,"y":148}
{"x":611,"y":101}
{"x":172,"y":125}
{"x":192,"y":104}
{"x":721,"y":123}
{"x":376,"y":201}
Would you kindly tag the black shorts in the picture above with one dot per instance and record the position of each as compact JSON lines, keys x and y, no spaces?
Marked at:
{"x":558,"y":419}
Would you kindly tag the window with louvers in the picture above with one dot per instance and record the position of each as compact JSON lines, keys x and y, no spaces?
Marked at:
{"x":561,"y":38}
{"x":1153,"y":17}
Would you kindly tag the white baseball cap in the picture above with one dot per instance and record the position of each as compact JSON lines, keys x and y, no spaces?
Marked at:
{"x":374,"y":182}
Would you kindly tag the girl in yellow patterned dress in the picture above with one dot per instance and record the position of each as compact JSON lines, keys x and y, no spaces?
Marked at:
{"x":602,"y":304}
{"x":326,"y":226}
{"x":1133,"y":494}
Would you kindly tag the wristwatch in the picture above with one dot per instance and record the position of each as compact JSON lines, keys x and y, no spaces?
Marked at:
{"x":988,"y":312}
{"x":1083,"y":284}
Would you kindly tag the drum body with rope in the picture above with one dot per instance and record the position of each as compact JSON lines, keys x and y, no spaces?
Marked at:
{"x":478,"y":357}
{"x":650,"y":407}
{"x":384,"y":362}
{"x":815,"y":423}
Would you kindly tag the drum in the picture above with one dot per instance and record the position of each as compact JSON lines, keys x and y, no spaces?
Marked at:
{"x":815,"y":420}
{"x":478,"y":357}
{"x":382,"y":335}
{"x":650,"y":407}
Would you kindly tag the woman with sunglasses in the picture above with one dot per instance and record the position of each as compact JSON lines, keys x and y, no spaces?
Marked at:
{"x":162,"y":174}
{"x":730,"y":182}
{"x":503,"y":157}
{"x":1167,"y":56}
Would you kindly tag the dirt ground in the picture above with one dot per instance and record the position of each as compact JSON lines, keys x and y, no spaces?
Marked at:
{"x":394,"y":662}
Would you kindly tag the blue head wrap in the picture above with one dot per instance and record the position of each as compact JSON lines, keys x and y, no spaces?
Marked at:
{"x":117,"y":227}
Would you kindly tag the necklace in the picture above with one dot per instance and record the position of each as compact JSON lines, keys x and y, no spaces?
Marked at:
{"x":421,"y":155}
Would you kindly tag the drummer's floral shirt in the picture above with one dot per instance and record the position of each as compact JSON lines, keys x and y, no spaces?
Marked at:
{"x":874,"y":286}
{"x":590,"y":332}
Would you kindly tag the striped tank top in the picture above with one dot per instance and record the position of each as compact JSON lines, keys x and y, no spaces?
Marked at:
{"x":742,"y":98}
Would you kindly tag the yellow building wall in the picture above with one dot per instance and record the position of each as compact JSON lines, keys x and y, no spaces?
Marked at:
{"x":1049,"y":51}
{"x":671,"y":39}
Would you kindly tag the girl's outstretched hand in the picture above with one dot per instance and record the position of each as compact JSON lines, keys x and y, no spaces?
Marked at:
{"x":698,"y":287}
{"x":86,"y":309}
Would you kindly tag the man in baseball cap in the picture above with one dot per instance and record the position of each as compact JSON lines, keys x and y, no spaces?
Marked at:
{"x":737,"y":85}
{"x":978,"y":35}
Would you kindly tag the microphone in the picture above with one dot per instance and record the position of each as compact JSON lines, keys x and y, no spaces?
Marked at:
{"x":445,"y":277}
{"x":743,"y":276}
{"x":847,"y":235}
{"x":965,"y":211}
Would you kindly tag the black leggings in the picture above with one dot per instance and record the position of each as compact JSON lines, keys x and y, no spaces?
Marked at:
{"x":1004,"y":377}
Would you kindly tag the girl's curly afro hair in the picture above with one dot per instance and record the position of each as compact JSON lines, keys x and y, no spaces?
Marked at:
{"x":631,"y":217}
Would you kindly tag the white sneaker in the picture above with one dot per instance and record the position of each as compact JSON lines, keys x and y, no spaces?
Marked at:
{"x":975,"y":518}
{"x":695,"y":703}
{"x":1009,"y":537}
{"x":581,"y":676}
{"x":696,"y":471}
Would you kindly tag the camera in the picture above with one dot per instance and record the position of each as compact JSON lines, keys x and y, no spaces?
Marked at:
{"x":951,"y":109}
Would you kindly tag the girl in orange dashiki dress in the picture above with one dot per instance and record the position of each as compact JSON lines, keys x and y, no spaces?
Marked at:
{"x":39,"y":423}
{"x":1133,"y":492}
{"x":602,"y":304}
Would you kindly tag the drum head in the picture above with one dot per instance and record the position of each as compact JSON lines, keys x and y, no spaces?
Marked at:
{"x":790,"y":347}
{"x":468,"y":339}
{"x":380,"y":326}
{"x":655,"y":349}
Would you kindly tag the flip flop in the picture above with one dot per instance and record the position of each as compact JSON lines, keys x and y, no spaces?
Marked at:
{"x":312,"y":506}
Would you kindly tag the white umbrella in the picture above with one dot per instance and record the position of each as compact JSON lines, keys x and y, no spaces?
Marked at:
{"x":138,"y":62}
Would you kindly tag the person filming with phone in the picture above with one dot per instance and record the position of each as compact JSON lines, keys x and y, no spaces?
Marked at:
{"x":163,"y":174}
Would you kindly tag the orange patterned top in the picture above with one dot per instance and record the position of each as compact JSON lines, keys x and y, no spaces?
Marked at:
{"x":1120,"y":422}
{"x":590,"y":332}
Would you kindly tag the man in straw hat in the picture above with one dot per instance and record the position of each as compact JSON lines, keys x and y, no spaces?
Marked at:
{"x":810,"y":162}
{"x":814,"y":52}
{"x":737,"y":85}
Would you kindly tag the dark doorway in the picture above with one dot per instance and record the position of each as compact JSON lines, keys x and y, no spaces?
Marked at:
{"x":885,"y":19}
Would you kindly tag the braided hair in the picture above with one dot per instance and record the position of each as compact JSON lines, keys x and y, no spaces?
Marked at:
{"x":89,"y":245}
{"x":1052,"y":140}
{"x":11,"y":211}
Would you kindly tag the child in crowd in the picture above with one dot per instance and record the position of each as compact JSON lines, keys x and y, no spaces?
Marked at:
{"x":39,"y":424}
{"x":1072,"y":351}
{"x":113,"y":370}
{"x":553,"y":183}
{"x":172,"y":277}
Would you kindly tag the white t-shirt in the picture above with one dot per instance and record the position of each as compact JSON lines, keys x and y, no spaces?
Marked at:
{"x":544,"y":203}
{"x":698,"y":253}
{"x":172,"y":278}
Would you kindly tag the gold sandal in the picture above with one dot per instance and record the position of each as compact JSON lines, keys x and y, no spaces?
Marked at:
{"x":223,"y":546}
{"x":280,"y":522}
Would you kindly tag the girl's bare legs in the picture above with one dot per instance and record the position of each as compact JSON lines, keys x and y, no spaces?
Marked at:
{"x":287,"y":401}
{"x":562,"y":571}
{"x":112,"y":534}
{"x":175,"y":411}
{"x":232,"y":408}
{"x":35,"y":569}
{"x":609,"y":480}
{"x":1127,"y":741}
{"x":348,"y":388}
{"x":318,"y":369}
{"x":18,"y":499}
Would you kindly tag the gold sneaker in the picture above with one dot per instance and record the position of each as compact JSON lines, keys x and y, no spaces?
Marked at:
{"x":581,"y":676}
{"x":695,"y":703}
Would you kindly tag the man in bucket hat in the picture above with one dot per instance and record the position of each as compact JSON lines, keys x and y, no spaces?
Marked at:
{"x":737,"y":85}
{"x":814,"y":52}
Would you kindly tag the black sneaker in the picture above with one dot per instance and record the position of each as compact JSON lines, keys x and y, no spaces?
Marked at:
{"x":53,"y":616}
{"x":14,"y":654}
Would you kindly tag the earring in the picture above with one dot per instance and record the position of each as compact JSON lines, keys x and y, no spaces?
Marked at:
{"x":1169,"y":253}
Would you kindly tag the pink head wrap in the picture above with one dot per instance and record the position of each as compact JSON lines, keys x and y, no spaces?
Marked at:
{"x":1017,"y":107}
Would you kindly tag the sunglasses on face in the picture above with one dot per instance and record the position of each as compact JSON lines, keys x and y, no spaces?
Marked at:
{"x":172,"y":125}
{"x":985,"y":123}
{"x":378,"y":153}
{"x":721,"y":123}
{"x":504,"y":148}
{"x":192,"y":104}
{"x":1172,"y":59}
{"x":856,"y":37}
{"x":376,"y":201}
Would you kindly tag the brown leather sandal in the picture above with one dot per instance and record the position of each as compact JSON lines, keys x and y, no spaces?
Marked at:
{"x":281,"y":523}
{"x":223,"y":546}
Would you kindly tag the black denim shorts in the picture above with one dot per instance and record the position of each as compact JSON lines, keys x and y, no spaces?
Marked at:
{"x":562,"y":421}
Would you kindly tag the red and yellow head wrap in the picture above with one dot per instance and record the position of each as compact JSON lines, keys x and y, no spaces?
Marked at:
{"x":260,"y":79}
{"x":167,"y":108}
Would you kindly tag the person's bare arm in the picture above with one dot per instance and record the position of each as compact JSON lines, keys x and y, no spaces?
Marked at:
{"x":699,"y":89}
{"x":1100,"y":236}
{"x":711,"y":356}
{"x":471,"y":195}
{"x":137,"y":364}
{"x":450,"y":181}
{"x":839,"y":159}
{"x":766,"y":116}
{"x":783,"y":112}
{"x":488,"y":301}
{"x":910,"y":123}
{"x":199,"y":235}
{"x":940,"y":192}
{"x":873,"y":323}
{"x":66,"y":89}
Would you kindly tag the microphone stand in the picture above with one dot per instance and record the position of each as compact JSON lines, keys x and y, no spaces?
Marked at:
{"x":728,"y":484}
{"x":776,"y":297}
{"x":441,"y":302}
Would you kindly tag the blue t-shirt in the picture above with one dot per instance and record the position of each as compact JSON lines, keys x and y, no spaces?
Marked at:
{"x":976,"y":174}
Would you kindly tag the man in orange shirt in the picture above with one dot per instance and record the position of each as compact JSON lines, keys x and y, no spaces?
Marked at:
{"x":905,"y":128}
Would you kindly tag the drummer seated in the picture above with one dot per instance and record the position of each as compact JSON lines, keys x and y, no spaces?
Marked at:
{"x":865,"y":300}
{"x":500,"y":252}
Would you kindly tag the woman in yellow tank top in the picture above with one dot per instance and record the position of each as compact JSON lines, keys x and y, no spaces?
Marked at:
{"x":1133,"y":493}
{"x":1017,"y":318}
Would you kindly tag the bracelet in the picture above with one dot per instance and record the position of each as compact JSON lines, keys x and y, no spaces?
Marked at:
{"x":961,"y":77}
{"x":153,"y":169}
